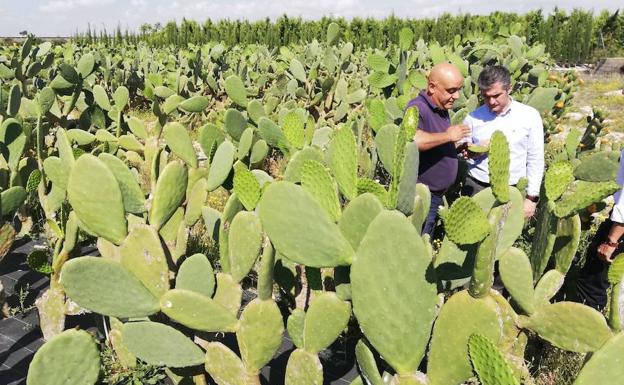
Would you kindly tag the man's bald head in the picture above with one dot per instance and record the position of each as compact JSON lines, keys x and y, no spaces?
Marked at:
{"x":443,"y":84}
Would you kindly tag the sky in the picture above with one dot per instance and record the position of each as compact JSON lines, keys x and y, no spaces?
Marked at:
{"x":65,"y":17}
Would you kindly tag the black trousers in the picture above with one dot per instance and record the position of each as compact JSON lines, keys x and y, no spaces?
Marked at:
{"x":592,"y":283}
{"x":472,"y":186}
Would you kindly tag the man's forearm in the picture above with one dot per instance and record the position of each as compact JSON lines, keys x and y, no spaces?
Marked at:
{"x":428,"y":140}
{"x":615,"y":232}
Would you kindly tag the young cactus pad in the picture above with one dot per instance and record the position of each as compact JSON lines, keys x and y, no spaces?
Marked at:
{"x":499,"y":166}
{"x":465,"y":222}
{"x":489,"y":363}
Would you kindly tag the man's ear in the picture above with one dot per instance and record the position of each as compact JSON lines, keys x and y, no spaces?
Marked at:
{"x":430,"y":87}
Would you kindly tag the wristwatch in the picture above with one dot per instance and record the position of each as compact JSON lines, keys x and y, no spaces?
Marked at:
{"x":610,"y":244}
{"x":533,"y":198}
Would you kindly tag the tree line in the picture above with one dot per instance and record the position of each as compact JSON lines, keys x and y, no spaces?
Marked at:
{"x":575,"y":37}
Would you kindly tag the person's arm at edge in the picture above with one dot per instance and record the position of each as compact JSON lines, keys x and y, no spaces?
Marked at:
{"x":616,"y":231}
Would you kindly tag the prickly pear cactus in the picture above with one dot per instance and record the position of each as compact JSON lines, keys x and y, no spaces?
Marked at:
{"x":316,"y":179}
{"x":489,"y":363}
{"x":343,"y":161}
{"x":378,"y":290}
{"x":106,"y":287}
{"x":76,"y":360}
{"x":287,"y":211}
{"x":557,"y":179}
{"x":159,"y":344}
{"x":96,"y":198}
{"x":465,"y":222}
{"x":604,"y":366}
{"x":584,"y":194}
{"x":570,"y":326}
{"x":498,"y":161}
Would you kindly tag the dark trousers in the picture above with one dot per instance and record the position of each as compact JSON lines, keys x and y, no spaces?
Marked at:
{"x":472,"y":186}
{"x":430,"y":222}
{"x":592,"y":283}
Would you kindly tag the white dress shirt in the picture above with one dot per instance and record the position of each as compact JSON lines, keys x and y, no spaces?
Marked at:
{"x":522,"y":126}
{"x":617,"y":215}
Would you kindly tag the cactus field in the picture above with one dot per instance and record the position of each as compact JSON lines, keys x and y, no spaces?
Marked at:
{"x":253,"y":193}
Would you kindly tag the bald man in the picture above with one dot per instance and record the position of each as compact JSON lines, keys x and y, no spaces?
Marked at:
{"x":436,"y":138}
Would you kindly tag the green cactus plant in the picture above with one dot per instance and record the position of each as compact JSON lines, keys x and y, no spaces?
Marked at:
{"x":286,"y":210}
{"x":489,"y":363}
{"x":77,"y":360}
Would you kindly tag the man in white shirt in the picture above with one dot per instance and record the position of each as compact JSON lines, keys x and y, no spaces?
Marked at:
{"x":592,"y":283}
{"x":522,"y":126}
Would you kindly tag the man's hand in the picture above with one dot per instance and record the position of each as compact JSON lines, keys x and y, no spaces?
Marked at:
{"x":605,"y":252}
{"x":458,"y":132}
{"x":529,"y":208}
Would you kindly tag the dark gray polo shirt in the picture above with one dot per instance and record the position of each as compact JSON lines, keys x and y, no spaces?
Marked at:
{"x":438,"y":166}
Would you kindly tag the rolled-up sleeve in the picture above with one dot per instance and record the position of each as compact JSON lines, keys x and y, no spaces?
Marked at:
{"x":535,"y":156}
{"x":617,"y":214}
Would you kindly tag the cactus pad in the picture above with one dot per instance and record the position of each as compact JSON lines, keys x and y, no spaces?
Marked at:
{"x":605,"y":365}
{"x":70,"y":358}
{"x":295,"y":326}
{"x":517,"y":275}
{"x":548,"y":286}
{"x":357,"y":216}
{"x":584,"y":194}
{"x":229,"y":293}
{"x":557,"y":179}
{"x":105,"y":287}
{"x":367,"y":364}
{"x":96,"y":198}
{"x":287,"y":212}
{"x":303,"y":368}
{"x":221,"y":165}
{"x":196,"y":274}
{"x":223,"y":365}
{"x":246,"y":186}
{"x":498,"y":161}
{"x":489,"y":363}
{"x":325,"y":319}
{"x":616,"y":270}
{"x":343,"y":161}
{"x":597,"y":167}
{"x":570,"y":326}
{"x":460,"y":317}
{"x":180,"y":143}
{"x":410,"y":121}
{"x":170,"y":193}
{"x":236,"y":90}
{"x":293,"y":128}
{"x":259,"y":333}
{"x":159,"y":344}
{"x":133,"y":198}
{"x":197,"y":311}
{"x":245,"y":241}
{"x":316,"y":179}
{"x":378,"y":285}
{"x":194,"y":104}
{"x":142,"y":255}
{"x":465,"y":223}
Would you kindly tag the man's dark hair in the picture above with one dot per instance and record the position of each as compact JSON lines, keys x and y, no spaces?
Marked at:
{"x":494,"y":74}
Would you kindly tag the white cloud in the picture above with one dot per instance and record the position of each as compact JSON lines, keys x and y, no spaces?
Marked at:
{"x":68,"y":5}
